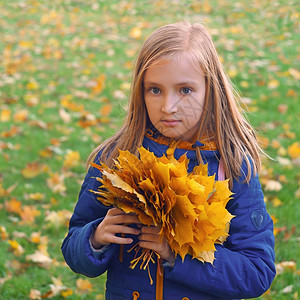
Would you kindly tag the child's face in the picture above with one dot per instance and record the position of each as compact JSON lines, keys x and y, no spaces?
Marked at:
{"x":174,"y":91}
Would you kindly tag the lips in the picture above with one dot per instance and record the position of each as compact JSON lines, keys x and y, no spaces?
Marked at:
{"x":171,"y":122}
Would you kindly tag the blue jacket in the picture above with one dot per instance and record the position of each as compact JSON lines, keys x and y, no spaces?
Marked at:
{"x":243,"y":266}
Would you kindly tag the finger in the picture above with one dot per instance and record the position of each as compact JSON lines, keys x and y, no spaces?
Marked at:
{"x":115,"y":211}
{"x":125,"y":219}
{"x":123,"y":229}
{"x":150,"y":229}
{"x":119,"y":240}
{"x":149,"y":245}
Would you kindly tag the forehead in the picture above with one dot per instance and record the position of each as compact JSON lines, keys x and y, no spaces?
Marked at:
{"x":174,"y":66}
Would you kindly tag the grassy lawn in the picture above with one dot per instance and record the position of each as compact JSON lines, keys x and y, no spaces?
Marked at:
{"x":65,"y":72}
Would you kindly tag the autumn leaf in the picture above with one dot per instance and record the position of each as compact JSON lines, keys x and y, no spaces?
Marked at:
{"x":71,"y":159}
{"x":35,"y":294}
{"x":56,"y":183}
{"x":13,"y":206}
{"x":32,"y":169}
{"x":56,"y":288}
{"x":135,"y":33}
{"x":294,"y":150}
{"x":35,"y":237}
{"x":65,"y":116}
{"x":3,"y":233}
{"x":105,"y":110}
{"x":5,"y":115}
{"x":28,"y":214}
{"x":40,"y":258}
{"x":189,"y":208}
{"x":35,"y":196}
{"x":98,"y":84}
{"x":21,"y":116}
{"x":273,"y":185}
{"x":58,"y":218}
{"x":16,"y":248}
{"x":84,"y":285}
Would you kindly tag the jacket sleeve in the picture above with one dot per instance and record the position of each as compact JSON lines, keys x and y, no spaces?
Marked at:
{"x":88,"y":213}
{"x":244,"y":264}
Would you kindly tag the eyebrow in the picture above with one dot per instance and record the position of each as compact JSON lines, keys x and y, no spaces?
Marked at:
{"x":179,"y":83}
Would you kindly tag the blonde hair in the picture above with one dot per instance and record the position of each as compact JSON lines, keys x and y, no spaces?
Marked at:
{"x":221,"y":118}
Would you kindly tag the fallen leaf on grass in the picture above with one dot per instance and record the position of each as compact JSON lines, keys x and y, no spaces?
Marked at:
{"x":16,"y":248}
{"x":56,"y":183}
{"x":282,"y":108}
{"x":277,"y":202}
{"x":35,"y":294}
{"x":285,"y":266}
{"x":66,"y":293}
{"x":58,"y":218}
{"x":65,"y":116}
{"x":285,"y":162}
{"x":98,"y":84}
{"x":294,"y":150}
{"x":273,"y":185}
{"x":13,"y":206}
{"x":21,"y":116}
{"x":15,"y":130}
{"x":273,"y":84}
{"x":35,"y":196}
{"x":71,"y":159}
{"x":83,"y":285}
{"x":4,"y":279}
{"x":35,"y":237}
{"x":55,"y":289}
{"x":3,"y":233}
{"x":40,"y":258}
{"x":28,"y":214}
{"x":32,"y":170}
{"x":7,"y":192}
{"x":105,"y":110}
{"x":287,"y":289}
{"x":5,"y":115}
{"x":135,"y":33}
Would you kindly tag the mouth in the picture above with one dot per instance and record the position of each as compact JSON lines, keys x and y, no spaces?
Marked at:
{"x":170,"y":122}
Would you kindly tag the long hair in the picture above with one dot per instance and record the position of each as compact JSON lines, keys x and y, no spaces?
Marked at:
{"x":221,"y":118}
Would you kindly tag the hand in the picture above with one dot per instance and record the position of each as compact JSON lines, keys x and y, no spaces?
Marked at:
{"x":115,"y":221}
{"x":150,"y":239}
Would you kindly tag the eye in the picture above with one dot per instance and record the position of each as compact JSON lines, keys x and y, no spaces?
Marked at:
{"x":185,"y":91}
{"x":154,"y":91}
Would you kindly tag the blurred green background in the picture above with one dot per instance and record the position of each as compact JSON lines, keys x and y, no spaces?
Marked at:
{"x":65,"y":73}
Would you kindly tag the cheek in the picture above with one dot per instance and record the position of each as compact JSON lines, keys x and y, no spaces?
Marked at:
{"x":153,"y":107}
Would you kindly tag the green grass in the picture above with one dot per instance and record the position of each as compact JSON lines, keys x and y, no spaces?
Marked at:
{"x":63,"y":45}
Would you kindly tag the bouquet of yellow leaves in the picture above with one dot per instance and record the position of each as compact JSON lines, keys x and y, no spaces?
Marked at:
{"x":189,"y":208}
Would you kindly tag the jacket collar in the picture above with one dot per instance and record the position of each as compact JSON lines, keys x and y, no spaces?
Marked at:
{"x":205,"y":144}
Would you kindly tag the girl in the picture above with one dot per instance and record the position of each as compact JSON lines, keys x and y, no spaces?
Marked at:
{"x":179,"y":91}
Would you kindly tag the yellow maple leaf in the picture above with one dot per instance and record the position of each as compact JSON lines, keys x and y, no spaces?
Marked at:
{"x":5,"y":115}
{"x":3,"y":233}
{"x":71,"y":159}
{"x":21,"y":115}
{"x":84,"y":285}
{"x":135,"y":33}
{"x":40,"y":258}
{"x":32,"y":170}
{"x":16,"y":248}
{"x":294,"y":150}
{"x":99,"y":84}
{"x":56,"y":183}
{"x":189,"y":208}
{"x":13,"y":206}
{"x":28,"y":214}
{"x":105,"y":110}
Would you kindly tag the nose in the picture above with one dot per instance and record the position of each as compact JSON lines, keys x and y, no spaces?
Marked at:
{"x":170,"y":104}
